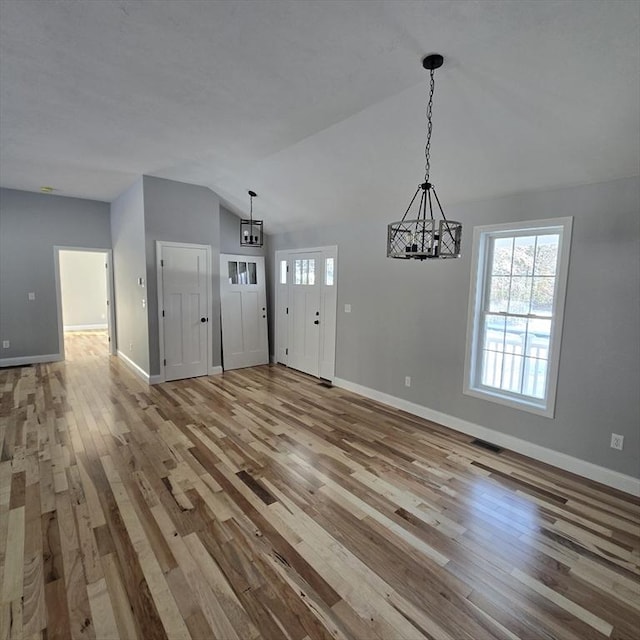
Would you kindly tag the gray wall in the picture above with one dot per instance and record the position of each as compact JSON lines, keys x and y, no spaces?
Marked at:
{"x":410,"y":318}
{"x":180,"y":212}
{"x":83,"y":284}
{"x":129,"y":264}
{"x":30,"y":225}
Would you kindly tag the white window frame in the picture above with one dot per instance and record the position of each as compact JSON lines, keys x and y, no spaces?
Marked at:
{"x":478,"y":290}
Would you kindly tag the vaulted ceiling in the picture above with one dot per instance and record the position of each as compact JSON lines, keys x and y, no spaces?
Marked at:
{"x":317,"y":106}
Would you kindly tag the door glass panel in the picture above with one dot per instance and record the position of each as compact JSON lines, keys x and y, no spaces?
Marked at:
{"x":283,"y":272}
{"x":298,"y":272}
{"x":242,"y":273}
{"x":328,"y":272}
{"x":304,"y":272}
{"x":312,"y":272}
{"x":233,"y":272}
{"x":253,"y":276}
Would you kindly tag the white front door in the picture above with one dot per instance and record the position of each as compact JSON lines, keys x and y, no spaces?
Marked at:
{"x":304,"y":312}
{"x":306,"y":305}
{"x":185,"y":310}
{"x":243,"y":301}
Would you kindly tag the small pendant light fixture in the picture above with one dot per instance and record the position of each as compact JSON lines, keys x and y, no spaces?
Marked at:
{"x":425,"y":238}
{"x":251,"y":230}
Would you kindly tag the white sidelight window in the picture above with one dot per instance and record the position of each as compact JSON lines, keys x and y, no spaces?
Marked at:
{"x":515,"y":313}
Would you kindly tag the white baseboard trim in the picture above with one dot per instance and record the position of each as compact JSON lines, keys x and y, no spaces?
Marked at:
{"x":21,"y":361}
{"x":85,"y":327}
{"x":139,"y":371}
{"x":608,"y":477}
{"x":159,"y":378}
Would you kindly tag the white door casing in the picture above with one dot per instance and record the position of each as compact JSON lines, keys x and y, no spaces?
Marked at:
{"x":184,"y":303}
{"x":306,"y":304}
{"x":243,"y":302}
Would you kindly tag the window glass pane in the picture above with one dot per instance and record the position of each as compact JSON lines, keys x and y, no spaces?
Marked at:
{"x":328,"y":272}
{"x":547,"y":255}
{"x":305,"y":271}
{"x":502,"y":253}
{"x":542,"y":295}
{"x":512,"y":372}
{"x":538,"y":335}
{"x":491,"y":368}
{"x":534,"y":379}
{"x":283,"y":272}
{"x":516,"y":326}
{"x":242,"y":273}
{"x":233,"y":272}
{"x":494,"y":331}
{"x":520,"y":294}
{"x":523,"y":253}
{"x":499,"y":293}
{"x":312,"y":272}
{"x":253,"y":276}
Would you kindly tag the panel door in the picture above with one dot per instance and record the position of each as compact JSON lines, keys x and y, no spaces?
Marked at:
{"x":304,"y":312}
{"x":185,"y":306}
{"x":243,"y":301}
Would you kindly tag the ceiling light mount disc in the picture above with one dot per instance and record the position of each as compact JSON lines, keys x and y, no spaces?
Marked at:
{"x":253,"y":194}
{"x":432,"y":61}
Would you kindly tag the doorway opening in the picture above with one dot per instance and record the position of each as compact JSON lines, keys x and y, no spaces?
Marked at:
{"x":84,"y":295}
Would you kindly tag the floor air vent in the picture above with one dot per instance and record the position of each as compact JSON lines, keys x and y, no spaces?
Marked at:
{"x":487,"y":445}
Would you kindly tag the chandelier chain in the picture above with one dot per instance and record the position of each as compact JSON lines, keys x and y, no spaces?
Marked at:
{"x":427,"y":149}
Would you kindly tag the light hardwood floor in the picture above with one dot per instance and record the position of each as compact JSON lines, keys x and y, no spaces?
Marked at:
{"x":260,"y":504}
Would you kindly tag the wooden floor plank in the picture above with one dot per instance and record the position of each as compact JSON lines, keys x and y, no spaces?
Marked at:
{"x":261,"y":504}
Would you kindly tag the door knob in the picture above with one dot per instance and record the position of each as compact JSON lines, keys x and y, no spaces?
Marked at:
{"x":316,"y":322}
{"x":203,"y":319}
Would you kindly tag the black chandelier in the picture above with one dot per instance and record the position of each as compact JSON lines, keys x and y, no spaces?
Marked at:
{"x":425,"y":238}
{"x":251,"y":230}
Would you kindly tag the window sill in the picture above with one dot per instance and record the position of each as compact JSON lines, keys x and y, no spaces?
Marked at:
{"x":509,"y":401}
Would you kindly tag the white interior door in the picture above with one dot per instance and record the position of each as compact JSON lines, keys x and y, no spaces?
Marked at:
{"x":243,"y":301}
{"x":185,"y":310}
{"x":304,"y":313}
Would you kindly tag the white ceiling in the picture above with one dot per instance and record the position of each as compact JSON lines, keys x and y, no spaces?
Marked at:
{"x":318,"y":106}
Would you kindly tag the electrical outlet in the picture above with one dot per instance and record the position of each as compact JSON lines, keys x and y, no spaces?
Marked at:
{"x":6,"y":344}
{"x":407,"y":381}
{"x":617,"y":441}
{"x":131,"y":346}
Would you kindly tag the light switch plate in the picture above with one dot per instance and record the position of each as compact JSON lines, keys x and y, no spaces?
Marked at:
{"x":6,"y":344}
{"x":31,"y":295}
{"x":347,"y":308}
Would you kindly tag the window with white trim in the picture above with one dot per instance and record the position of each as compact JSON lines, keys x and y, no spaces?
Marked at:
{"x":515,"y":313}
